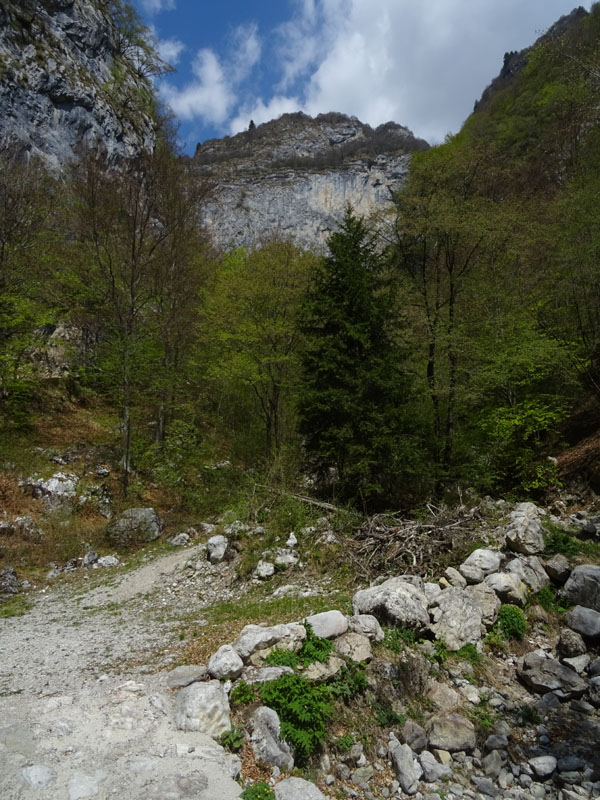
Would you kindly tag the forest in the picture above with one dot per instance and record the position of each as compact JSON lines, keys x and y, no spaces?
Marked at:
{"x":446,"y":345}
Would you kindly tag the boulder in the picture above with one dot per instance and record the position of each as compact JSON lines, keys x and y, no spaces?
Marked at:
{"x":442,"y":696}
{"x":354,"y":646}
{"x":328,"y":624}
{"x":255,"y":637}
{"x":203,"y":707}
{"x":396,"y":599}
{"x":451,"y":732}
{"x":265,"y":674}
{"x":456,"y":618}
{"x":583,"y":587}
{"x":570,"y":644}
{"x":524,"y":533}
{"x":264,"y":570}
{"x":454,"y":578}
{"x":286,"y":557}
{"x":27,"y":528}
{"x":486,"y":560}
{"x":414,"y":736}
{"x":542,"y":673}
{"x":216,"y":547}
{"x":297,"y":789}
{"x":225,"y":664}
{"x":404,"y":767}
{"x":509,"y":587}
{"x":433,"y":771}
{"x":134,"y":526}
{"x":585,"y":621}
{"x":366,"y":625}
{"x":543,"y":766}
{"x":56,"y":492}
{"x":9,"y":583}
{"x":265,"y":737}
{"x":558,"y":568}
{"x":180,"y":540}
{"x":486,"y":599}
{"x":319,"y":672}
{"x":530,"y":570}
{"x":183,"y":676}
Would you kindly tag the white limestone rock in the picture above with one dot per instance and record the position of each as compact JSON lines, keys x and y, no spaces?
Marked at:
{"x":203,"y":707}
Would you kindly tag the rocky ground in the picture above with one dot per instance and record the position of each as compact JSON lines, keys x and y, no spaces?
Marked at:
{"x":92,"y":703}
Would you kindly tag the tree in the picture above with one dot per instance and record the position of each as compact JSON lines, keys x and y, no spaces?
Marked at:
{"x":353,"y":389}
{"x":252,"y":315}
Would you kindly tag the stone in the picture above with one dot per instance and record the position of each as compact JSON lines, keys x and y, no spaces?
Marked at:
{"x":203,"y":707}
{"x":509,"y":588}
{"x":134,"y":526}
{"x":594,"y":669}
{"x":432,"y":591}
{"x":583,"y":587}
{"x":486,"y":787}
{"x":179,"y":787}
{"x":433,"y":771}
{"x":496,"y":741}
{"x":486,"y":599}
{"x":180,"y":540}
{"x":486,"y":560}
{"x":442,"y":696}
{"x":414,"y":736}
{"x":57,"y":492}
{"x":578,"y":663}
{"x":291,"y":541}
{"x":362,"y":775}
{"x":471,"y":574}
{"x":366,"y":625}
{"x":454,"y":578}
{"x":290,"y":636}
{"x":264,"y":674}
{"x":319,"y":672}
{"x":570,"y":644}
{"x":216,"y":547}
{"x":9,"y":583}
{"x":297,"y":789}
{"x":524,"y":533}
{"x":286,"y":557}
{"x":543,"y":766}
{"x":456,"y":619}
{"x":89,"y":559}
{"x":558,"y":568}
{"x":403,"y":763}
{"x":354,"y":646}
{"x":530,"y":570}
{"x":492,"y":764}
{"x":81,"y":785}
{"x":328,"y":624}
{"x":183,"y":676}
{"x":37,"y":776}
{"x":225,"y":664}
{"x":28,"y":529}
{"x":397,"y":600}
{"x":107,"y":561}
{"x":451,"y":732}
{"x":585,"y":621}
{"x":265,"y":737}
{"x":264,"y":570}
{"x":543,"y":674}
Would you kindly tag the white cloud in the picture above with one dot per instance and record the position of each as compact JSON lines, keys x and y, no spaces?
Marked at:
{"x":154,"y":6}
{"x":170,"y":50}
{"x":246,"y":51}
{"x":208,"y":96}
{"x":260,"y":112}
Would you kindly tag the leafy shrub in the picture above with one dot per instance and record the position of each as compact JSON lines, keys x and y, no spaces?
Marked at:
{"x":314,"y":648}
{"x":483,"y":716}
{"x":232,"y":740}
{"x":546,"y":598}
{"x":258,"y":791}
{"x":396,"y":639}
{"x":469,"y":653}
{"x":282,"y":658}
{"x":344,"y":743}
{"x":511,"y":622}
{"x":495,"y":642}
{"x":351,"y":681}
{"x":242,"y":694}
{"x":386,"y":717}
{"x":304,"y":709}
{"x":560,"y":541}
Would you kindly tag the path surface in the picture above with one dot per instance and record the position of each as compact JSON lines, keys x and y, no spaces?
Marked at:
{"x":77,"y":720}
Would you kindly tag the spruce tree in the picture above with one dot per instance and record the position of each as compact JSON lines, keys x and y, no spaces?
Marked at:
{"x":353,"y":390}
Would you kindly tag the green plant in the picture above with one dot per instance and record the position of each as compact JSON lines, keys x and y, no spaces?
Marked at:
{"x":557,"y":540}
{"x":546,"y":598}
{"x":15,"y":607}
{"x":482,"y":715}
{"x":344,"y":743}
{"x":495,"y":642}
{"x":528,"y":716}
{"x":258,"y":791}
{"x":242,"y":694}
{"x":386,"y":717}
{"x":350,"y":682}
{"x":511,"y":622}
{"x":304,"y":709}
{"x":282,"y":658}
{"x":232,"y":740}
{"x":314,"y":648}
{"x":396,"y":639}
{"x":469,"y":653}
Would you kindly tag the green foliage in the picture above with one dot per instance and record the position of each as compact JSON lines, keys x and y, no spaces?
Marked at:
{"x":386,"y":717}
{"x":483,"y":716}
{"x":495,"y":641}
{"x":353,"y":388}
{"x":304,"y":709}
{"x":396,"y":639}
{"x":344,"y":743}
{"x":281,"y":658}
{"x":232,"y":740}
{"x":528,"y":716}
{"x":258,"y":791}
{"x":17,"y":606}
{"x":469,"y":653}
{"x":511,"y":623}
{"x":557,"y":540}
{"x":242,"y":694}
{"x":546,"y":598}
{"x":351,"y":681}
{"x":314,"y":648}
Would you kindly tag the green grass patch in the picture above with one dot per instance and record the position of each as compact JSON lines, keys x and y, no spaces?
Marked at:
{"x":17,"y":606}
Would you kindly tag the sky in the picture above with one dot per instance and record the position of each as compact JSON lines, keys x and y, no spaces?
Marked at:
{"x":421,"y":63}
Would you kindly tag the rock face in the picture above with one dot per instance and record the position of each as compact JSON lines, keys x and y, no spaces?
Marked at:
{"x":583,"y":587}
{"x":68,"y":80}
{"x":294,"y":176}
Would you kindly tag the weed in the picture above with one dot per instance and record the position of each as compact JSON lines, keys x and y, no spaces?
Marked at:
{"x":528,"y":716}
{"x":546,"y":598}
{"x":386,"y":717}
{"x":242,"y":694}
{"x":511,"y":623}
{"x":351,"y":681}
{"x":396,"y":639}
{"x":558,"y":540}
{"x":232,"y":740}
{"x":495,"y":642}
{"x":469,"y":653}
{"x":314,"y":648}
{"x":17,"y":606}
{"x":258,"y":791}
{"x":483,"y":716}
{"x":344,"y":743}
{"x":282,"y":658}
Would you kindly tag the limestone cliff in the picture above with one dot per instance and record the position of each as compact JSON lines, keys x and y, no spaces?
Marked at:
{"x":295,"y":175}
{"x":72,"y":75}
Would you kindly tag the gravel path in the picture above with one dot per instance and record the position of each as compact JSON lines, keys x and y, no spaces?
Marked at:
{"x":75,"y":720}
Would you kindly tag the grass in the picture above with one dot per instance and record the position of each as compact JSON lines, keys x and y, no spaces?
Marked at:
{"x":17,"y":606}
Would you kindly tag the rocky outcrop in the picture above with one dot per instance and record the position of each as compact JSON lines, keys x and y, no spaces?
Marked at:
{"x":293,"y":177}
{"x":71,"y":78}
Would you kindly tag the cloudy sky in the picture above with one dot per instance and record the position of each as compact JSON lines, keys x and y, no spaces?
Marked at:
{"x":421,"y":63}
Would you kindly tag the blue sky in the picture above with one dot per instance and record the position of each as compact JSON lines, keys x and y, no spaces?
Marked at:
{"x":421,"y":63}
